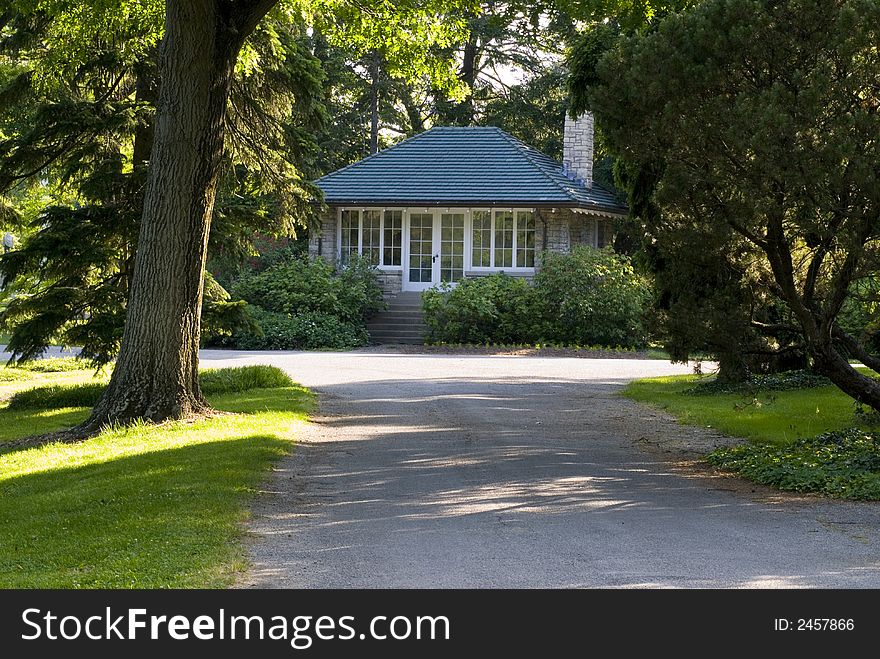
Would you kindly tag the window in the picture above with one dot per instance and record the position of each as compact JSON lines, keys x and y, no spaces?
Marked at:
{"x":375,"y":234}
{"x":372,"y":229}
{"x":393,"y":237}
{"x":503,"y":239}
{"x":525,"y":239}
{"x":604,"y":233}
{"x":350,"y":223}
{"x":481,"y":252}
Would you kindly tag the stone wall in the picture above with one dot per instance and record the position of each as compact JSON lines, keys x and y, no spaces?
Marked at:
{"x":391,"y":282}
{"x":577,"y":149}
{"x":323,"y":240}
{"x":560,"y":229}
{"x":553,"y":230}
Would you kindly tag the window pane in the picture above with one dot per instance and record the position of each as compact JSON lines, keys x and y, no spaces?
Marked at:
{"x":604,"y":233}
{"x":482,"y":237}
{"x":525,"y":239}
{"x":371,"y":228}
{"x":503,"y":239}
{"x":393,"y":237}
{"x":348,"y":243}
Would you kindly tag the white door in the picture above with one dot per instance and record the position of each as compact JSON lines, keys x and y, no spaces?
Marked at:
{"x":422,"y":266}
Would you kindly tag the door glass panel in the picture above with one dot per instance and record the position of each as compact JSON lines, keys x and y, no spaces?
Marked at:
{"x":421,"y":247}
{"x":451,"y":246}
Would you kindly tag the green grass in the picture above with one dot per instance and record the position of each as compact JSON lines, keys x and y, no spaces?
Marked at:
{"x":145,"y":506}
{"x":14,"y":378}
{"x":85,"y":394}
{"x":802,"y":440}
{"x":777,"y":417}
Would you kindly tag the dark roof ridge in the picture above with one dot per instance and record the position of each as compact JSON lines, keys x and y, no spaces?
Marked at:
{"x":525,"y":149}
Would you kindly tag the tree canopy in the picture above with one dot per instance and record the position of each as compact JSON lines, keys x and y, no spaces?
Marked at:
{"x":756,"y":124}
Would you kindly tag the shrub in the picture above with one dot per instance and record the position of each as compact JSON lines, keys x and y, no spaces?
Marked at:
{"x":301,"y":285}
{"x":589,"y":297}
{"x":300,"y":304}
{"x":302,"y":331}
{"x":213,"y":382}
{"x":593,"y":297}
{"x":496,"y":308}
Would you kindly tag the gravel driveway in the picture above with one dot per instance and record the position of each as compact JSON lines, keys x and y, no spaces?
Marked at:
{"x":489,"y":471}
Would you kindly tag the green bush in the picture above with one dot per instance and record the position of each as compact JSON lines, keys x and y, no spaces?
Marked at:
{"x":587,"y":298}
{"x":496,"y":309}
{"x":302,"y":304}
{"x":844,"y":463}
{"x":302,"y":331}
{"x":301,"y":285}
{"x":213,"y":382}
{"x":593,"y":297}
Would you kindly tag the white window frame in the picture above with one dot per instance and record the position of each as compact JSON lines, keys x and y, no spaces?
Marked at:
{"x":437,"y":211}
{"x":360,"y":250}
{"x":492,"y":267}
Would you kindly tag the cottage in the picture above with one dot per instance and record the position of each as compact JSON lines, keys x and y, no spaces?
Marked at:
{"x":457,"y":202}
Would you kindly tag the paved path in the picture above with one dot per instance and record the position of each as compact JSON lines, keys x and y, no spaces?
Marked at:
{"x":472,"y":471}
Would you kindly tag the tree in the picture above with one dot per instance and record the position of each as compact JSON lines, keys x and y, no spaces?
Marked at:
{"x":76,"y":154}
{"x":761,"y":119}
{"x":156,"y":373}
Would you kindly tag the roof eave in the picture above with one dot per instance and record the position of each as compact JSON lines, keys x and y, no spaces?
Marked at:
{"x":477,"y":203}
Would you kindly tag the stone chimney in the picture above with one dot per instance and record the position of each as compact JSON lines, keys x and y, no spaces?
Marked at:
{"x":577,"y":149}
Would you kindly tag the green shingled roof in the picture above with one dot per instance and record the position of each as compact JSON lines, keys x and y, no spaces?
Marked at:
{"x":462,"y":166}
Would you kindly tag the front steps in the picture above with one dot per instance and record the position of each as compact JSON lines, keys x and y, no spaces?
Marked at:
{"x":402,"y":322}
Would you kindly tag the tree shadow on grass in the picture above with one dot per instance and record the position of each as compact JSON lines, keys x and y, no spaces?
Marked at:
{"x":167,"y":518}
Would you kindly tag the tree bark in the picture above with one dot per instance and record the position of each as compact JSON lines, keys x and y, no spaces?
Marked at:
{"x":156,"y":374}
{"x":469,"y":77}
{"x":374,"y":103}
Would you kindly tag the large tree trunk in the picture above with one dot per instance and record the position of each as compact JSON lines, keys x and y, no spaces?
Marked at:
{"x":830,"y":363}
{"x":156,"y":374}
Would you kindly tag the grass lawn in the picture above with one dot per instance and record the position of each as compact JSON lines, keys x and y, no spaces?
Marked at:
{"x":140,"y":507}
{"x":802,"y":439}
{"x":777,"y":417}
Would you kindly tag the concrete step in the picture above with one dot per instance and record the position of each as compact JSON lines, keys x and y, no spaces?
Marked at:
{"x":408,"y":328}
{"x":397,"y":318}
{"x":407,"y":308}
{"x":412,"y":341}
